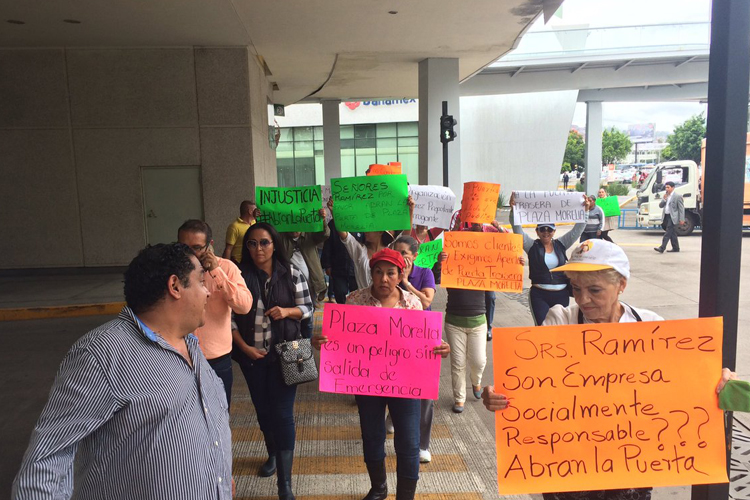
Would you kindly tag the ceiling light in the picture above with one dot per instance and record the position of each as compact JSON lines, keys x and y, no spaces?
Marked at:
{"x":71,"y":21}
{"x":393,"y":12}
{"x":15,"y":21}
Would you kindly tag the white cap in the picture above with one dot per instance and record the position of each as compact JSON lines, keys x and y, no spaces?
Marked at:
{"x":596,"y":255}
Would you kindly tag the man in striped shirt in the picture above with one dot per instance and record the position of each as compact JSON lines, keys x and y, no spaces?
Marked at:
{"x":135,"y":404}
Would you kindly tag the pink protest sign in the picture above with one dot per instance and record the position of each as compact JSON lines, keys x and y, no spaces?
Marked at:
{"x":374,"y":351}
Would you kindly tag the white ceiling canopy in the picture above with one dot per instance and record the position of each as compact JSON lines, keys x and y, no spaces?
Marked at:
{"x":313,"y":49}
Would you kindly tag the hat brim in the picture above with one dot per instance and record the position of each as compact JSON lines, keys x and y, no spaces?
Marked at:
{"x":580,"y":266}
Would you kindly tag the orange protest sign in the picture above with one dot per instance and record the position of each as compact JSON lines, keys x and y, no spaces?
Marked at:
{"x":609,"y":406}
{"x":483,"y":261}
{"x":377,"y":169}
{"x":479,"y":203}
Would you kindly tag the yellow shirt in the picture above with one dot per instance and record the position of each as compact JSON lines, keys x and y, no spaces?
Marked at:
{"x":235,"y":233}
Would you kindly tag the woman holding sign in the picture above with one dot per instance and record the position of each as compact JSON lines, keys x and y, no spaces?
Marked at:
{"x":610,"y":223}
{"x":281,"y":299}
{"x":599,"y":272}
{"x":546,"y":253}
{"x":387,"y":272}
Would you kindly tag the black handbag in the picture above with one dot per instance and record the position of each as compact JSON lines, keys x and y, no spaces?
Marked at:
{"x":297,"y":361}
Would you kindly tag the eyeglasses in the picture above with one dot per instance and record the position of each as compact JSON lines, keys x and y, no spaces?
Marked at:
{"x":199,"y":248}
{"x":545,"y":229}
{"x":263,"y":243}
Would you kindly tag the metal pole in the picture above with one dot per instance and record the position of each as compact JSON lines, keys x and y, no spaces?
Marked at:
{"x":445,"y":150}
{"x":721,"y":246}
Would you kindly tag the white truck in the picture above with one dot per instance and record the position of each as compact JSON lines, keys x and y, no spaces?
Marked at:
{"x":687,"y":178}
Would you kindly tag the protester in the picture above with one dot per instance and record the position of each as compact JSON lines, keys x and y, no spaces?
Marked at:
{"x":387,"y":272}
{"x":611,"y":222}
{"x":546,"y":253}
{"x":599,"y":272}
{"x":228,"y":294}
{"x":236,"y":231}
{"x":595,"y":222}
{"x":423,"y":234}
{"x":421,"y":283}
{"x":301,"y":249}
{"x":135,"y":410}
{"x":281,"y":299}
{"x":338,"y":266}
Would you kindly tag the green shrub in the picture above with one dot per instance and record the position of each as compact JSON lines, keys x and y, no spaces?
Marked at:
{"x":618,"y":189}
{"x":579,"y":187}
{"x":502,"y":200}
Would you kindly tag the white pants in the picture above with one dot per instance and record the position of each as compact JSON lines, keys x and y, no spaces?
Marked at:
{"x":471,"y":344}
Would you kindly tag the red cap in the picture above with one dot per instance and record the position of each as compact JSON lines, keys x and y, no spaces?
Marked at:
{"x":388,"y":255}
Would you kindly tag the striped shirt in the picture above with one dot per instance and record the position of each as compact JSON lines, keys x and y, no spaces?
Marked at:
{"x":136,"y":418}
{"x":596,"y":220}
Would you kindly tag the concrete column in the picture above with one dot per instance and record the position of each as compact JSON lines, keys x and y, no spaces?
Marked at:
{"x":331,"y":140}
{"x":593,"y":146}
{"x":438,"y":82}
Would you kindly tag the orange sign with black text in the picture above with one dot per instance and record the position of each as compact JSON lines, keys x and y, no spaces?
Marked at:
{"x":608,"y":406}
{"x":479,"y":202}
{"x":483,"y":261}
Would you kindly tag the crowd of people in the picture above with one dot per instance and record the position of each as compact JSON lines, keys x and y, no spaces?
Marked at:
{"x":137,"y":407}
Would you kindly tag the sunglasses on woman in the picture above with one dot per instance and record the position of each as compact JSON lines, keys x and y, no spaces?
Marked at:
{"x":545,"y":229}
{"x":263,"y":243}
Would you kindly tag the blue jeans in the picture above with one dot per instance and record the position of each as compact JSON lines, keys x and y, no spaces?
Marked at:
{"x":489,"y":304}
{"x":306,"y":327}
{"x":543,"y":300}
{"x":272,"y":398}
{"x":405,"y":414}
{"x":223,"y":368}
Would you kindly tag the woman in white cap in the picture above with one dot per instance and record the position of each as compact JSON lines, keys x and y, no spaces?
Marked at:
{"x":598,"y":271}
{"x":546,"y":253}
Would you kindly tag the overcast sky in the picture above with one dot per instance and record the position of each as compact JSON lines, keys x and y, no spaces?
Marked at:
{"x":603,"y":13}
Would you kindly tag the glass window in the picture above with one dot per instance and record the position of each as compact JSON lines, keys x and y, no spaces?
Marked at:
{"x":303,"y":133}
{"x":318,"y":133}
{"x":387,"y":150}
{"x":408,"y":129}
{"x":408,"y":141}
{"x":386,"y":130}
{"x":287,"y":135}
{"x":347,"y":132}
{"x":364,"y":131}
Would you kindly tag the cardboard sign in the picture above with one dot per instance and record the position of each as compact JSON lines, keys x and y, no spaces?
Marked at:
{"x":290,"y":209}
{"x":376,"y":203}
{"x":483,"y":261}
{"x":433,"y":205}
{"x":539,"y":207}
{"x":389,"y":169}
{"x":610,"y":205}
{"x":429,"y":251}
{"x":609,"y":406}
{"x":374,"y":351}
{"x":479,"y":203}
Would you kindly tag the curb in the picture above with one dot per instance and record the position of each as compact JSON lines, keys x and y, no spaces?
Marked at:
{"x":73,"y":311}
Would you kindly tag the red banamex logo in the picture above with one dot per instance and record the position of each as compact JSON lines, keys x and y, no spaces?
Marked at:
{"x":352,"y":105}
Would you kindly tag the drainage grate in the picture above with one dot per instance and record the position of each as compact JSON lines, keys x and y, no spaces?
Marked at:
{"x":739,"y":467}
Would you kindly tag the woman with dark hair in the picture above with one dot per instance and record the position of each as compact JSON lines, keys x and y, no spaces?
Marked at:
{"x":281,"y":299}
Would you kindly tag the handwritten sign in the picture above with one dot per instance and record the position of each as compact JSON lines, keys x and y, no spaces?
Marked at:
{"x":389,"y":169}
{"x":610,"y":205}
{"x":290,"y":209}
{"x":603,"y":406}
{"x":376,"y":203}
{"x":538,"y":207}
{"x":373,"y":351}
{"x":483,"y":261}
{"x":479,"y":203}
{"x":433,"y":205}
{"x":428,"y":253}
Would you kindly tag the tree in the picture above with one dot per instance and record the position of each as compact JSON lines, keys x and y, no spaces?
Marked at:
{"x":667,"y":154}
{"x":685,"y":141}
{"x":615,"y":145}
{"x":575,"y":151}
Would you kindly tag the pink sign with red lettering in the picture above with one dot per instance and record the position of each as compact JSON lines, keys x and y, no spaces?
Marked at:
{"x":376,"y":351}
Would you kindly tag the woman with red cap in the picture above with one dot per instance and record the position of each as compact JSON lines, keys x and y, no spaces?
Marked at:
{"x":387,"y":270}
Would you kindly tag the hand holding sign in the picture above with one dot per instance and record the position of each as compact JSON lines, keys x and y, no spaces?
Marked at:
{"x":376,"y":203}
{"x":479,"y":203}
{"x":547,"y":207}
{"x":290,"y":209}
{"x":483,"y":261}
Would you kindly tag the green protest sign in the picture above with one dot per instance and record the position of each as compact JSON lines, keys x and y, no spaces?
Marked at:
{"x":373,"y":203}
{"x":428,"y":253}
{"x":610,"y":205}
{"x":290,"y":209}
